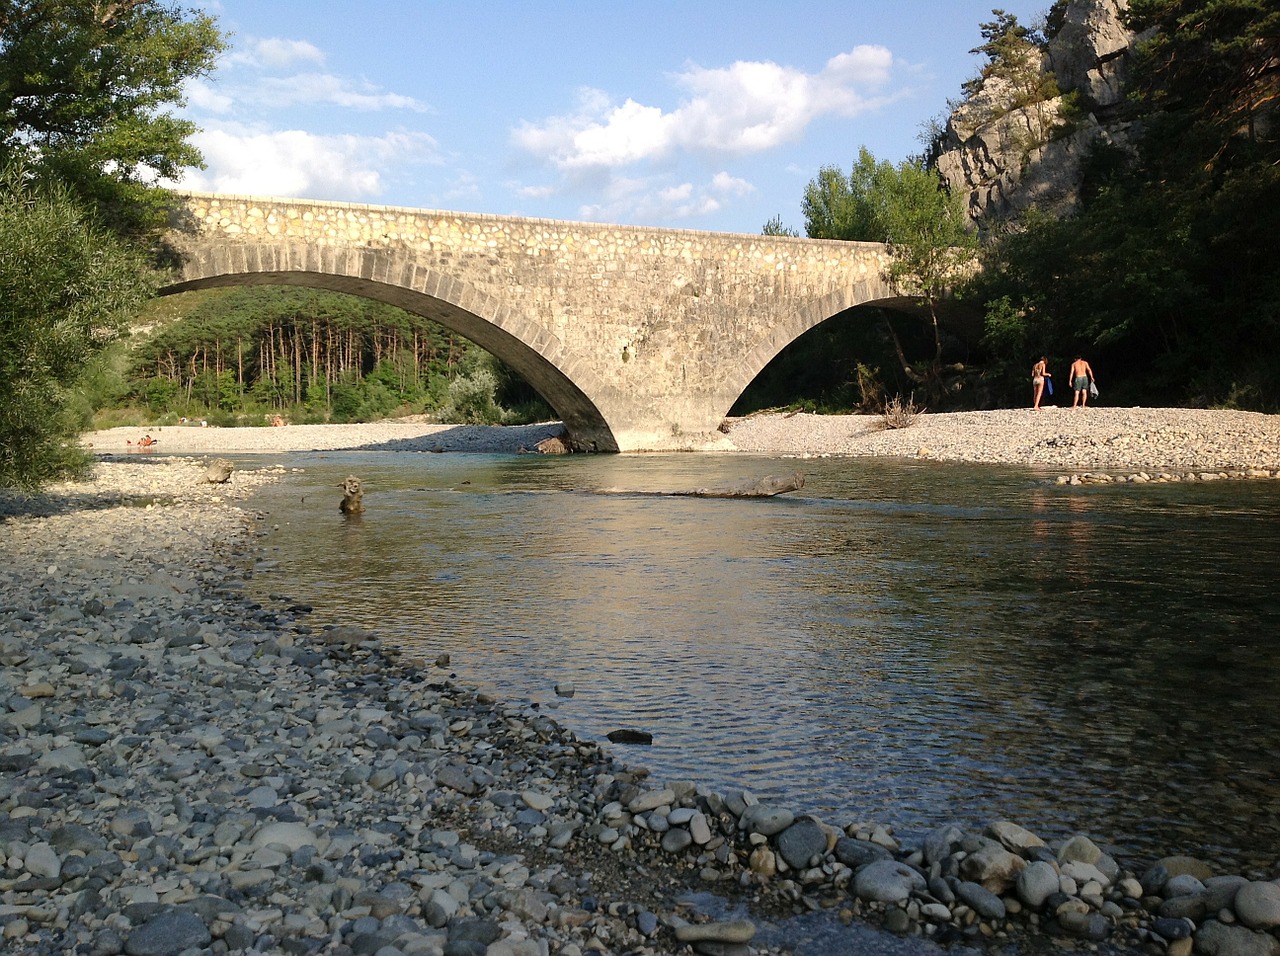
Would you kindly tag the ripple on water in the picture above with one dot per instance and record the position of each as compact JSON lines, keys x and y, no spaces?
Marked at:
{"x":902,"y":642}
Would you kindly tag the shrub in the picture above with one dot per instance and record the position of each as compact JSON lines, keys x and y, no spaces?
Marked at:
{"x":900,"y":414}
{"x":472,"y":399}
{"x":65,"y":288}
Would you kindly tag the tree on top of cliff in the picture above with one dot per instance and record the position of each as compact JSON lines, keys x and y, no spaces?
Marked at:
{"x":1014,"y":55}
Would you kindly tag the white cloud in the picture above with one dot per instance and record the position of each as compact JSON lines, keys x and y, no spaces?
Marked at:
{"x":281,"y":92}
{"x":640,"y":199}
{"x":295,"y":163}
{"x":201,"y":96}
{"x":274,"y":53}
{"x":731,"y":185}
{"x":745,"y":108}
{"x":263,"y":75}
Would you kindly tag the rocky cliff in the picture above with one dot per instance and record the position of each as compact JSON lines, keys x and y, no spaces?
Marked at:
{"x":1006,"y":157}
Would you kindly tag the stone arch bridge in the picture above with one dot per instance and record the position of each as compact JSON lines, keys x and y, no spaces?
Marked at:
{"x":640,"y":339}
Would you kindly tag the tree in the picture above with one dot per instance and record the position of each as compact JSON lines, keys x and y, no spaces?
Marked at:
{"x":1013,"y":54}
{"x":66,"y":288}
{"x":1212,"y":66}
{"x":908,"y":207}
{"x":929,"y":239}
{"x":774,"y":227}
{"x":836,"y":206}
{"x":86,"y":89}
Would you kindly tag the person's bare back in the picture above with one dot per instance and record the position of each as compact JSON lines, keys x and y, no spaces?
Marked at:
{"x":1081,"y":378}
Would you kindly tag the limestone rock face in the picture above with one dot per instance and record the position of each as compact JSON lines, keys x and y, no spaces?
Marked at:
{"x":1091,"y":51}
{"x":1005,"y":159}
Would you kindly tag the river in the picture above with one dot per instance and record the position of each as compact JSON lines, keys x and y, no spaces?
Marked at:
{"x":900,"y":642}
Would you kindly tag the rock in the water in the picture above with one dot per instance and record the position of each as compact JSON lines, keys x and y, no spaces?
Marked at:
{"x":1037,"y":883}
{"x":219,"y":471}
{"x":555,"y":445}
{"x":981,"y":900}
{"x":625,"y":736}
{"x":803,"y":843}
{"x":858,"y":853}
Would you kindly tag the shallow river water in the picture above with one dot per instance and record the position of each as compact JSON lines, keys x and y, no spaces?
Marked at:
{"x":899,"y":642}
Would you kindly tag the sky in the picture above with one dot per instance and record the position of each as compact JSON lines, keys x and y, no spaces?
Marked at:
{"x":693,"y":114}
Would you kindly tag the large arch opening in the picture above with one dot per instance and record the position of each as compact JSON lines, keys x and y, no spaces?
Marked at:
{"x":852,"y":361}
{"x":483,"y":324}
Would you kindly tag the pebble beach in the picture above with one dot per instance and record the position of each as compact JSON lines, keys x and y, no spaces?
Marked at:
{"x":1110,"y":441}
{"x":185,"y":769}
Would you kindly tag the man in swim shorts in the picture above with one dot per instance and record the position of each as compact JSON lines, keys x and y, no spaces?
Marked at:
{"x":1081,"y":379}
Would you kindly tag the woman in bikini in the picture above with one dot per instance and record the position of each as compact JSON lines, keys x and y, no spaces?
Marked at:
{"x":1039,"y":372}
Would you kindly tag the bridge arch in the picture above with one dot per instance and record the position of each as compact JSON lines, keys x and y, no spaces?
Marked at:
{"x":640,"y":339}
{"x":530,"y":349}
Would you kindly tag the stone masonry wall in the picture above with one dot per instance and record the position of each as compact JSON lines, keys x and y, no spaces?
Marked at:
{"x":656,"y":331}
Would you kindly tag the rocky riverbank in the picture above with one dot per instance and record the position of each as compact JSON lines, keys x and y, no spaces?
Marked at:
{"x":183,"y":770}
{"x":1105,"y":443}
{"x":1160,"y":443}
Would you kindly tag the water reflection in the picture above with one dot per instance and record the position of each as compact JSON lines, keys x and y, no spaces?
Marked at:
{"x":901,"y":641}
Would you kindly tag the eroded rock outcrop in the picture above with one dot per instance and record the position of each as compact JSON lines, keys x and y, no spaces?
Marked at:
{"x":1006,"y":158}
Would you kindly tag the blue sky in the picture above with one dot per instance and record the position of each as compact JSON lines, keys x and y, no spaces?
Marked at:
{"x":698,"y":114}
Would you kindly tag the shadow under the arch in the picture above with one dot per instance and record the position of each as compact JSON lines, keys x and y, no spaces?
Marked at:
{"x":491,"y":439}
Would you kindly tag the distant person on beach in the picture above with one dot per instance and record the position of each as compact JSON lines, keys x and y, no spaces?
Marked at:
{"x":1039,"y":374}
{"x":1081,"y":380}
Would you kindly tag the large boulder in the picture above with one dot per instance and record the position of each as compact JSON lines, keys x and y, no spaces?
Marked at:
{"x":993,"y":867}
{"x":1220,"y":939}
{"x":1092,"y":50}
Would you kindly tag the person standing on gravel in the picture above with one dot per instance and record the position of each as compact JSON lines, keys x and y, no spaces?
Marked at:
{"x":1081,"y":379}
{"x":1039,"y":374}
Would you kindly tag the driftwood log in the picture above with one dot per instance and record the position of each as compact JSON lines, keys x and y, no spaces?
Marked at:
{"x":765,"y":487}
{"x":625,"y":736}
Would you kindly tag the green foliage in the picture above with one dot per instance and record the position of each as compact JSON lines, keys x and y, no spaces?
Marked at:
{"x":1013,"y":55}
{"x":309,"y":356}
{"x":1167,"y":276}
{"x":66,"y":289}
{"x":1209,"y":70}
{"x":926,"y":227}
{"x":473,"y":397}
{"x":908,"y":207}
{"x":85,"y":97}
{"x":774,"y":227}
{"x":850,"y":207}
